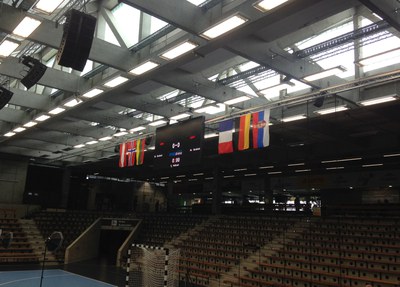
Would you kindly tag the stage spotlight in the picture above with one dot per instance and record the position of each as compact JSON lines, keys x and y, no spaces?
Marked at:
{"x":35,"y":72}
{"x":5,"y":96}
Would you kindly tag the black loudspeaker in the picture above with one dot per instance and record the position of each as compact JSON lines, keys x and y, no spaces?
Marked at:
{"x":319,"y":102}
{"x":54,"y":241}
{"x":77,"y":40}
{"x":35,"y":73}
{"x":5,"y":97}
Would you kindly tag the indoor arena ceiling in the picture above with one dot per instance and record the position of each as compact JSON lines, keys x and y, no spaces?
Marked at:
{"x":264,"y":62}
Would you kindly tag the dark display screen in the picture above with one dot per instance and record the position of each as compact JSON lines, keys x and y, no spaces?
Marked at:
{"x":180,"y":144}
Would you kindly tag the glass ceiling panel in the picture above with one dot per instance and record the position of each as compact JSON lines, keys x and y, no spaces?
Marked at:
{"x":109,"y":36}
{"x":156,"y":24}
{"x":128,"y":19}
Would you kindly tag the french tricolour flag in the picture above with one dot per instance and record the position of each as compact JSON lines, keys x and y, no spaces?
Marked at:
{"x":225,"y":144}
{"x":261,"y":129}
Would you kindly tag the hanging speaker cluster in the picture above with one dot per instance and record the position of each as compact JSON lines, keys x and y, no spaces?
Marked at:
{"x":77,"y":40}
{"x":5,"y":96}
{"x":35,"y":72}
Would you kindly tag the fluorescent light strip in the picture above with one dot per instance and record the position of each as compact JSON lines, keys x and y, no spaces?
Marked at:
{"x":265,"y":167}
{"x":92,"y":93}
{"x":378,"y":100}
{"x":211,"y":110}
{"x":182,"y":175}
{"x":105,"y":138}
{"x":79,"y":146}
{"x":181,"y":116}
{"x":157,"y":123}
{"x":326,"y":73}
{"x":30,"y":124}
{"x":115,"y":82}
{"x":192,"y":179}
{"x":7,"y":47}
{"x":19,"y":129}
{"x":179,"y":50}
{"x":56,"y":111}
{"x":209,"y":178}
{"x":120,"y":134}
{"x":391,"y":155}
{"x":229,"y":176}
{"x":48,"y":6}
{"x":296,"y":164}
{"x":236,"y":100}
{"x":212,"y":135}
{"x":240,"y":169}
{"x":302,"y":170}
{"x":372,"y":165}
{"x":341,"y":160}
{"x":224,"y":27}
{"x":164,"y":177}
{"x":267,"y":5}
{"x":73,"y":103}
{"x":293,"y":118}
{"x":334,"y":168}
{"x":92,"y":142}
{"x":250,"y":174}
{"x":275,"y":172}
{"x":9,"y":134}
{"x":137,"y":129}
{"x":42,"y":118}
{"x":198,"y":174}
{"x":143,"y":68}
{"x":26,"y":27}
{"x":332,"y":110}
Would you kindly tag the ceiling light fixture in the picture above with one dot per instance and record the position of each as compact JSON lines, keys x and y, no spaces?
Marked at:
{"x":30,"y":124}
{"x":211,"y":135}
{"x":266,"y":167}
{"x":341,"y":160}
{"x":331,"y":110}
{"x":143,"y":68}
{"x":293,"y":118}
{"x":329,"y":72}
{"x":92,"y":142}
{"x":179,"y":50}
{"x":391,"y":155}
{"x":107,"y":138}
{"x":42,"y":118}
{"x":79,"y":146}
{"x":26,"y":27}
{"x":157,"y":123}
{"x":274,"y":172}
{"x":9,"y":134}
{"x":296,"y":164}
{"x":224,"y":27}
{"x":56,"y":111}
{"x":379,"y":100}
{"x":212,"y":109}
{"x":115,"y":82}
{"x":267,"y":5}
{"x":181,"y":116}
{"x":236,"y":100}
{"x":335,"y":168}
{"x":7,"y":47}
{"x":92,"y":93}
{"x":73,"y":103}
{"x":19,"y":129}
{"x":372,"y":165}
{"x":120,"y":133}
{"x":137,"y":129}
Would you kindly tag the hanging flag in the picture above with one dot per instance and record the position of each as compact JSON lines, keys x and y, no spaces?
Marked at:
{"x":225,"y":144}
{"x":244,"y":132}
{"x":140,"y":146}
{"x":122,"y":155}
{"x":130,"y":153}
{"x":261,"y":129}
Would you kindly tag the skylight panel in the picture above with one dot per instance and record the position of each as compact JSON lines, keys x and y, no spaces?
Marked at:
{"x":329,"y":34}
{"x":385,"y":51}
{"x":298,"y":86}
{"x":26,"y":27}
{"x":169,"y":95}
{"x":345,"y":59}
{"x":196,"y":2}
{"x":156,"y":24}
{"x":128,"y":20}
{"x":248,"y":66}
